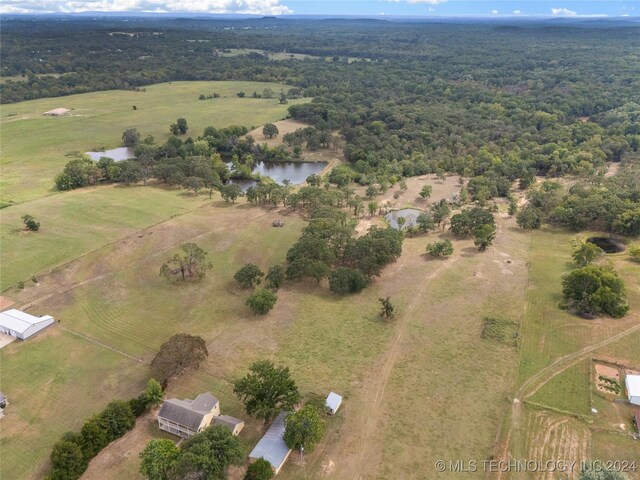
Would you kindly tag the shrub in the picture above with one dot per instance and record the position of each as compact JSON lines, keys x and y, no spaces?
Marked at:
{"x":262,"y":301}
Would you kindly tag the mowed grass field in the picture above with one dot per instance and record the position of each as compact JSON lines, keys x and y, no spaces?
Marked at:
{"x":75,"y":223}
{"x":34,"y":147}
{"x":556,"y":422}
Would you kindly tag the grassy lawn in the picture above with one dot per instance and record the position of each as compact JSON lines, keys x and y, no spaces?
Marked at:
{"x":549,"y":333}
{"x":568,"y":391}
{"x":54,"y":382}
{"x":78,"y":222}
{"x":34,"y":147}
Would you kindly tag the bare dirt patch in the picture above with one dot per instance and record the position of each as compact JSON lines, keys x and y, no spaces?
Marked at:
{"x":109,"y":463}
{"x":5,"y":339}
{"x":5,"y":303}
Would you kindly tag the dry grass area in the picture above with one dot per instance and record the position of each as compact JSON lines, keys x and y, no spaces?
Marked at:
{"x":330,"y":155}
{"x":411,"y":197}
{"x":555,"y":366}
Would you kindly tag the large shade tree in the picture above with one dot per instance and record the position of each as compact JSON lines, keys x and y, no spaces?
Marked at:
{"x":267,"y":390}
{"x":179,"y":353}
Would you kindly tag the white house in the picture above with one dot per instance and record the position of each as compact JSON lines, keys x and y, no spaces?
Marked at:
{"x":632,"y":382}
{"x":187,"y":417}
{"x":22,"y":325}
{"x":271,"y":446}
{"x":332,"y":403}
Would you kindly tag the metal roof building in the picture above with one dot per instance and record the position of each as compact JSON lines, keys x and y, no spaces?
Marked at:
{"x":632,"y":382}
{"x":332,"y":403}
{"x":22,"y":325}
{"x":187,"y":417}
{"x":271,"y":446}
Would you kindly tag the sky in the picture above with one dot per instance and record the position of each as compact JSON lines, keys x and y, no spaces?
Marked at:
{"x":567,"y":8}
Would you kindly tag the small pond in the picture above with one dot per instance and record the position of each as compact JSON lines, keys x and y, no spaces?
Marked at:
{"x":410,"y":216}
{"x":609,"y":245}
{"x":118,"y":154}
{"x":295,"y":172}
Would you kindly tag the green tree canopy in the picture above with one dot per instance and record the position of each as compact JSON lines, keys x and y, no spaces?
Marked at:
{"x":159,"y":459}
{"x":262,"y":301}
{"x":304,"y":428}
{"x":179,"y":353}
{"x":267,"y":390}
{"x":270,"y":130}
{"x":595,"y":290}
{"x":484,"y":236}
{"x":131,"y":137}
{"x":190,"y":264}
{"x":442,"y":248}
{"x":586,"y":253}
{"x":248,"y":276}
{"x":208,"y":454}
{"x":259,"y":470}
{"x":347,"y":280}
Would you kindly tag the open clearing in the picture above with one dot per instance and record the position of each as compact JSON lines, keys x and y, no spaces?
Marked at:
{"x":115,"y":311}
{"x":552,"y":418}
{"x":34,"y":147}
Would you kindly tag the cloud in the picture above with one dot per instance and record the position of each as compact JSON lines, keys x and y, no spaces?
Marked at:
{"x":562,"y":11}
{"x":517,"y":12}
{"x":255,"y":7}
{"x":494,"y":11}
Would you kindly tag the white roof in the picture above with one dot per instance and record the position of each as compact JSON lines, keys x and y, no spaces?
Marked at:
{"x":19,"y":321}
{"x":333,"y":401}
{"x":633,"y":385}
{"x":57,"y":111}
{"x":271,"y":446}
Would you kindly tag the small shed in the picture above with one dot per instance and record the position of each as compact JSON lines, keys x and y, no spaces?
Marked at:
{"x":235,"y":425}
{"x":332,"y":403}
{"x":57,"y":112}
{"x":271,"y":446}
{"x":21,"y":325}
{"x":632,"y":382}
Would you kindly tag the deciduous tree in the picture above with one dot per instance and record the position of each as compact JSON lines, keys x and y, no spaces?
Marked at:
{"x":179,"y":353}
{"x":595,"y":290}
{"x":190,"y":264}
{"x":267,"y":390}
{"x":304,"y":428}
{"x":159,"y":459}
{"x":262,"y":301}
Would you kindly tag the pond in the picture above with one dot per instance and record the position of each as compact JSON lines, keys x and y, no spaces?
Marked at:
{"x":410,"y":216}
{"x":295,"y":172}
{"x":609,"y":245}
{"x":118,"y":154}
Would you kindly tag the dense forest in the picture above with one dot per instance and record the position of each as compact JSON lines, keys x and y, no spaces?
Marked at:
{"x":495,"y":103}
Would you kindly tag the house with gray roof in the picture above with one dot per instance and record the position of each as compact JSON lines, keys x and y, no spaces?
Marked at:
{"x":271,"y":446}
{"x":187,"y":417}
{"x":235,"y":425}
{"x":22,"y":325}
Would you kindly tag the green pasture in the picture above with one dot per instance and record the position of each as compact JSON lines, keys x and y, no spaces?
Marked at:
{"x":33,"y":146}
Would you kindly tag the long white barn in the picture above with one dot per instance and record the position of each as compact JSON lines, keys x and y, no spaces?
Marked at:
{"x":22,"y":325}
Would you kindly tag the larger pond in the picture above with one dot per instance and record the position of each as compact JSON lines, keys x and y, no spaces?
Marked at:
{"x":410,"y":216}
{"x":118,"y":154}
{"x":295,"y":172}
